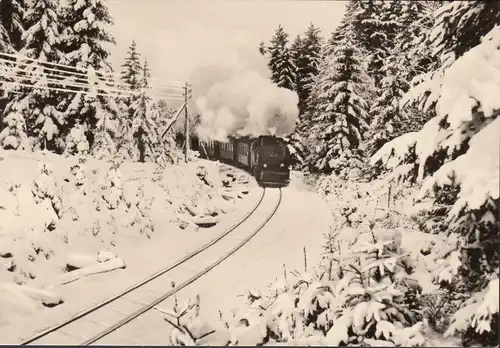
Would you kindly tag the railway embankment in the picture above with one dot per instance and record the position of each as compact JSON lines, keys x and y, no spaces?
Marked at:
{"x":74,"y":231}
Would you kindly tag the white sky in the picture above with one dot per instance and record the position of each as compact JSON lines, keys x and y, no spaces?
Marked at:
{"x":178,"y":35}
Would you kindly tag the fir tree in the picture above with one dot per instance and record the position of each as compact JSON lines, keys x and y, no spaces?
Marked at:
{"x":299,"y":61}
{"x":410,"y":56}
{"x":144,"y":127}
{"x":280,"y":62}
{"x":131,"y":74}
{"x":5,"y":45}
{"x":87,"y":43}
{"x":309,"y":68}
{"x":11,"y":18}
{"x":454,"y":153}
{"x":41,"y":41}
{"x":413,"y":45}
{"x":131,"y":69}
{"x":388,"y":119}
{"x":461,"y":25}
{"x":376,"y":26}
{"x":339,"y":117}
{"x":11,"y":31}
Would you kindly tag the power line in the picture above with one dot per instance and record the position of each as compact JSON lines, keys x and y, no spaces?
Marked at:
{"x":19,"y":57}
{"x":73,"y":91}
{"x":43,"y":77}
{"x":68,"y":74}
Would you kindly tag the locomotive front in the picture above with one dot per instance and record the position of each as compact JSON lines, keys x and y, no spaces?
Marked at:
{"x":271,"y":161}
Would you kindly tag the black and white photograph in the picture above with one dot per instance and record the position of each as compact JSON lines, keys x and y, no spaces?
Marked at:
{"x":250,"y":172}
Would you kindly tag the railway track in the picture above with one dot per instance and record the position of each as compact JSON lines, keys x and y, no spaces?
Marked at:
{"x":106,"y":322}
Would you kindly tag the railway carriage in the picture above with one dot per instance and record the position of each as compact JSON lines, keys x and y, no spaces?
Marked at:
{"x":267,"y":157}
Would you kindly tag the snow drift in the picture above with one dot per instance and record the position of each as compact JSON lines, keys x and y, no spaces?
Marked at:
{"x":235,"y":97}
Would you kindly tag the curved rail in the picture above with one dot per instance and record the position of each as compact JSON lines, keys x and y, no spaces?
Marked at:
{"x":149,"y":306}
{"x":146,"y":280}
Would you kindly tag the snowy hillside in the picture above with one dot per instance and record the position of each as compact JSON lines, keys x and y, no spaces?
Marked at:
{"x":64,"y":218}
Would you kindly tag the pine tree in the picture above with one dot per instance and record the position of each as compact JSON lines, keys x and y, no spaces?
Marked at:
{"x":11,"y":31}
{"x":131,"y":69}
{"x":339,"y":118}
{"x":131,"y":75}
{"x":388,"y":119}
{"x":280,"y":62}
{"x":11,"y":17}
{"x":454,"y":153}
{"x":5,"y":45}
{"x":299,"y":61}
{"x":13,"y":135}
{"x":145,"y":127}
{"x":40,"y":41}
{"x":309,"y":69}
{"x":376,"y":25}
{"x":413,"y":45}
{"x":461,"y":25}
{"x":87,"y":43}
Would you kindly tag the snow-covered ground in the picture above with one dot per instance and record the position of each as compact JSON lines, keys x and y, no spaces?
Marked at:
{"x":122,"y":222}
{"x":357,"y":219}
{"x":300,"y":222}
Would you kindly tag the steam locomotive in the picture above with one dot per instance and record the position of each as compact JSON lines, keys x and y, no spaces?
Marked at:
{"x":267,"y":157}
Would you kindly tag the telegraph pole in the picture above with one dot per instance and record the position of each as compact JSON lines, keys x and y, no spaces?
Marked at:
{"x":187,"y":96}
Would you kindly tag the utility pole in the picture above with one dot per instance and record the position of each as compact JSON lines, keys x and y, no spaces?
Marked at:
{"x":187,"y":96}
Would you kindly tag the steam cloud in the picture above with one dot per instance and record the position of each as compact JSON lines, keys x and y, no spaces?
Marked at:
{"x":235,"y":97}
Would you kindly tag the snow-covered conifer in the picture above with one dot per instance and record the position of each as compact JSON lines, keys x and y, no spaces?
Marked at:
{"x":87,"y":45}
{"x":11,"y":31}
{"x":376,"y":25}
{"x":13,"y":135}
{"x":388,"y":120}
{"x":312,"y":44}
{"x":144,"y":125}
{"x":339,"y":118}
{"x":454,"y":152}
{"x":297,"y":52}
{"x":40,"y":41}
{"x":76,"y":142}
{"x":131,"y":75}
{"x":11,"y":17}
{"x":405,"y":59}
{"x":5,"y":45}
{"x":131,"y":69}
{"x":280,"y":62}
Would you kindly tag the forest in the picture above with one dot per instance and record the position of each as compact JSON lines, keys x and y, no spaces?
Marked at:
{"x":401,"y":91}
{"x":45,"y":100}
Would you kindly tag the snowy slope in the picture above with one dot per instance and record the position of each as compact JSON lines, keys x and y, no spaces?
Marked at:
{"x":59,"y":214}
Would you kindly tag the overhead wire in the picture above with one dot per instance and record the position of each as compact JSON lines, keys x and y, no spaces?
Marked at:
{"x":71,"y":91}
{"x":65,"y":75}
{"x":64,"y":83}
{"x":20,"y":58}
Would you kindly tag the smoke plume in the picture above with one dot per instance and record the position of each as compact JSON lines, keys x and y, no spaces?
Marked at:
{"x":234,"y":96}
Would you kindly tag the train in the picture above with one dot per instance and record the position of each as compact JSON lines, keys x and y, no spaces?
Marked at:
{"x":266,"y":157}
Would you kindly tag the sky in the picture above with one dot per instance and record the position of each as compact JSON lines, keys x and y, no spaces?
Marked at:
{"x":176,"y":36}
